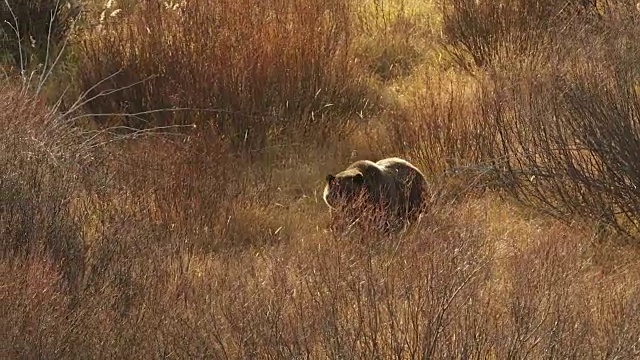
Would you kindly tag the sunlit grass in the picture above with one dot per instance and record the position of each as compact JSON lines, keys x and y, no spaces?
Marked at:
{"x":199,"y":243}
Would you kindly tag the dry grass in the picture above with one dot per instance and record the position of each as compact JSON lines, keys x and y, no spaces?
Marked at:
{"x":199,"y":244}
{"x":395,"y":37}
{"x":250,"y":69}
{"x":485,"y":33}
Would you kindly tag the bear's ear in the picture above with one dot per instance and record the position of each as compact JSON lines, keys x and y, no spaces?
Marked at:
{"x":358,"y":179}
{"x":330,"y":178}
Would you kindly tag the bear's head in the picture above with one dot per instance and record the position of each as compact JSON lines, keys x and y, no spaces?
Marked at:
{"x":344,"y":188}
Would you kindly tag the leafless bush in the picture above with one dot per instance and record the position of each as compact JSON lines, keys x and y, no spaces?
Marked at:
{"x":241,"y":66}
{"x":571,"y":145}
{"x":562,"y":130}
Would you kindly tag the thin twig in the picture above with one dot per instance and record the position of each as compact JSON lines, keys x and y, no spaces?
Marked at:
{"x":17,"y":32}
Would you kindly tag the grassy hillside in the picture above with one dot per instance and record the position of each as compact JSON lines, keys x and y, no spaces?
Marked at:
{"x":163,"y":166}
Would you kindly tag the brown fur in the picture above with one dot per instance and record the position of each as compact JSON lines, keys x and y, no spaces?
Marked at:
{"x":392,"y":187}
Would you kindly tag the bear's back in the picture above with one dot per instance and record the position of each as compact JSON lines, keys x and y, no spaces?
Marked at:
{"x":381,"y":184}
{"x":401,"y":169}
{"x":411,"y":181}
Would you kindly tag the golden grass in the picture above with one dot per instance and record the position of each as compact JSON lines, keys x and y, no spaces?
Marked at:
{"x":191,"y":245}
{"x":245,"y":70}
{"x":482,"y":276}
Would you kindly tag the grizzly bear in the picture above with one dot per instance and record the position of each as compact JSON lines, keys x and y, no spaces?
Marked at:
{"x":387,"y":194}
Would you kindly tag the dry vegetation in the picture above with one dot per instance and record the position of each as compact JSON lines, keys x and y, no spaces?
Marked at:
{"x":160,"y":193}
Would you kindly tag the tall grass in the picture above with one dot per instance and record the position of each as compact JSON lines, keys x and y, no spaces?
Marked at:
{"x":394,"y":38}
{"x":175,"y":244}
{"x":485,"y":32}
{"x":260,"y":68}
{"x":39,"y":176}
